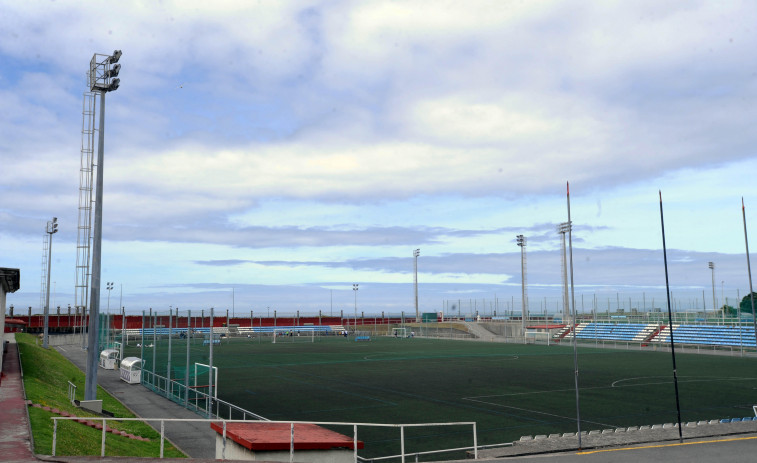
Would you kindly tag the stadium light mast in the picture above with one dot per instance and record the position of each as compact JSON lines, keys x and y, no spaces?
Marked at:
{"x":521,"y":240}
{"x":562,"y":229}
{"x":711,"y":266}
{"x":103,"y":72}
{"x":749,"y":271}
{"x":416,"y":253}
{"x":51,"y":229}
{"x":354,"y":289}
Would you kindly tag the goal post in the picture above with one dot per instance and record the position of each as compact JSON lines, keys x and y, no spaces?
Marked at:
{"x":202,"y":369}
{"x":399,"y":332}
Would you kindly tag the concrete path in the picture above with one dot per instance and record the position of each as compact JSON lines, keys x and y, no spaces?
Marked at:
{"x":196,"y":439}
{"x":15,"y":442}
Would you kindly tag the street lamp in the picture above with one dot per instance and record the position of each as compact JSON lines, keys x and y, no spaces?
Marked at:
{"x":51,"y":229}
{"x":521,"y":241}
{"x":109,"y":287}
{"x":711,"y":266}
{"x":102,"y":78}
{"x":354,"y":288}
{"x":416,"y":253}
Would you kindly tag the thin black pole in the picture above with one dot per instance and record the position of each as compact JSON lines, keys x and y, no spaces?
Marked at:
{"x":670,"y":321}
{"x":573,"y":302}
{"x":749,"y":270}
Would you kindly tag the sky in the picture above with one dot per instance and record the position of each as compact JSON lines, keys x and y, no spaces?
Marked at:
{"x":265,"y":156}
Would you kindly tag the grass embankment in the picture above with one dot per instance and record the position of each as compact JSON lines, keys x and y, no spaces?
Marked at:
{"x":46,"y":376}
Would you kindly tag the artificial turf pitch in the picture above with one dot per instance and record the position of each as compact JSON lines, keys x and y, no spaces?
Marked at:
{"x":509,"y":390}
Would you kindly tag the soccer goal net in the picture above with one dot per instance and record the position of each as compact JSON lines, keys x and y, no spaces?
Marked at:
{"x":200,"y":381}
{"x":400,"y":332}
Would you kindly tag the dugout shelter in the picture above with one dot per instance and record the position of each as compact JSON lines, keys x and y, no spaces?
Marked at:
{"x":131,"y":370}
{"x":108,"y":359}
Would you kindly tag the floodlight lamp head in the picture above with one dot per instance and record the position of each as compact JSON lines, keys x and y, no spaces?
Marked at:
{"x":711,"y":265}
{"x":115,"y":56}
{"x":113,"y":72}
{"x":114,"y":84}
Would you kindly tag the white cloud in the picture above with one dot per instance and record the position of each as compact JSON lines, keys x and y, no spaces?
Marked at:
{"x":353,"y":130}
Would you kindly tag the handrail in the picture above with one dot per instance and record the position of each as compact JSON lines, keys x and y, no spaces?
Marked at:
{"x":291,"y":423}
{"x":71,"y":392}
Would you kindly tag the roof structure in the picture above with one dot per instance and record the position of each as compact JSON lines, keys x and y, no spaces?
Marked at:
{"x":265,"y":436}
{"x":10,"y":279}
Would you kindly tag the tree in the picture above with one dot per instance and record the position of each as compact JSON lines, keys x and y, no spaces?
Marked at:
{"x":746,"y":303}
{"x":728,"y":311}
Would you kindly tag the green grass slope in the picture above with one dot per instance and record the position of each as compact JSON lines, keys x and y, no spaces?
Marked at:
{"x":46,"y":376}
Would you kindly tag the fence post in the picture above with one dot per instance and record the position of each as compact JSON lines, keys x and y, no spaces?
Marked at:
{"x":55,"y":432}
{"x":223,"y":449}
{"x":354,"y":438}
{"x":475,"y":442}
{"x":162,"y":436}
{"x":291,"y":442}
{"x":402,"y":442}
{"x":102,"y":444}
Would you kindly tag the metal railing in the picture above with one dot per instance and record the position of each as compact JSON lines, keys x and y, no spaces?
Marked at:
{"x":71,"y":392}
{"x":354,"y":426}
{"x":197,"y":401}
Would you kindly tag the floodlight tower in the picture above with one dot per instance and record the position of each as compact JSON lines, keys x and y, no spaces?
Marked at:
{"x":354,"y":288}
{"x":711,"y":266}
{"x":103,"y":72}
{"x":51,"y":229}
{"x":416,"y":253}
{"x":562,"y":229}
{"x":521,"y":240}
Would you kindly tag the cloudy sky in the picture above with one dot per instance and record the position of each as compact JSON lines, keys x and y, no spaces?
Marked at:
{"x":282,"y":151}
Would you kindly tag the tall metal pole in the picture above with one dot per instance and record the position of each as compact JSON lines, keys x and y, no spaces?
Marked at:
{"x":749,"y":270}
{"x":521,"y":240}
{"x":670,"y":321}
{"x":109,"y":287}
{"x":210,"y":370}
{"x":90,"y":383}
{"x":416,"y":253}
{"x":101,"y":78}
{"x":123,"y":333}
{"x":354,"y":288}
{"x":123,"y":319}
{"x":170,"y":328}
{"x":52,"y":227}
{"x":142,"y":345}
{"x":575,"y":340}
{"x":562,"y":229}
{"x":711,"y":265}
{"x":188,"y":338}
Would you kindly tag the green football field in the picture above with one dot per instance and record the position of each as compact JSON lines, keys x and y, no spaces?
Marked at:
{"x":509,"y":390}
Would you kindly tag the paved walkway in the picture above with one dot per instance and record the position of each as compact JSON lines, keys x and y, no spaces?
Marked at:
{"x":15,"y":444}
{"x":196,"y":439}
